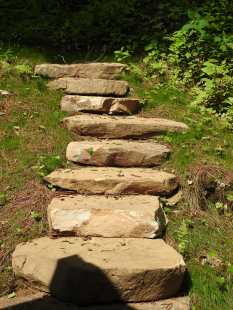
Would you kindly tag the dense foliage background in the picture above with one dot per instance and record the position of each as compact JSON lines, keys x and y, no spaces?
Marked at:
{"x":110,"y":22}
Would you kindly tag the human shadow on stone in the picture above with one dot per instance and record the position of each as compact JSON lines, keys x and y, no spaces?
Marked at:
{"x":74,"y":284}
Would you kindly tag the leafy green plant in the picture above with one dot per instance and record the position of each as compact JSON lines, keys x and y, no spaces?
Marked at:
{"x":182,"y":233}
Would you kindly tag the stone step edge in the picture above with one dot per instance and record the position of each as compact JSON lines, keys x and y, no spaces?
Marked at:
{"x":100,"y":104}
{"x":92,"y":87}
{"x":153,"y":268}
{"x":91,"y":70}
{"x":99,"y":216}
{"x":128,"y":181}
{"x":118,"y":127}
{"x":117,"y":153}
{"x":46,"y":301}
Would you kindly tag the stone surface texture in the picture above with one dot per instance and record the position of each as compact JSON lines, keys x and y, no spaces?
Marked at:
{"x":98,"y":216}
{"x":76,"y":103}
{"x":105,"y":71}
{"x":115,"y":127}
{"x":117,"y":153}
{"x":40,"y":302}
{"x":90,"y":86}
{"x":100,"y":269}
{"x":112,"y":181}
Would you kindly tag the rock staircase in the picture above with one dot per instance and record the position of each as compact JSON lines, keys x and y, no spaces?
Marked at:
{"x":104,"y":247}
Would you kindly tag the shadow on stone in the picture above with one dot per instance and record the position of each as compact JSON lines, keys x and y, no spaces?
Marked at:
{"x":74,"y":281}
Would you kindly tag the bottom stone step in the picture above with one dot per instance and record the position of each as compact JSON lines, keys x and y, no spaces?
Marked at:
{"x":41,"y":302}
{"x":101,"y":270}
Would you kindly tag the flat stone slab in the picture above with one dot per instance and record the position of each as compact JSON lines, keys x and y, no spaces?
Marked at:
{"x":105,"y":71}
{"x":112,"y":181}
{"x":121,"y":127}
{"x":40,"y":302}
{"x":90,"y":86}
{"x":117,"y":153}
{"x":76,"y":103}
{"x":99,"y":216}
{"x":100,"y":269}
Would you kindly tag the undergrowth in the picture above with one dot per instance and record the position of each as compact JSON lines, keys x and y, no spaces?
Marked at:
{"x":33,"y":143}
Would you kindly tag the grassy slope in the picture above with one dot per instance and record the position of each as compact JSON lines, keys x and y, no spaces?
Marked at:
{"x":32,"y":136}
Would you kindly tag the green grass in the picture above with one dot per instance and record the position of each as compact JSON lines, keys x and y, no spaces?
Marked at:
{"x":33,"y":143}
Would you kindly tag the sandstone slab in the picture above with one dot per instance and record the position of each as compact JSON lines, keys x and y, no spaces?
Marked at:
{"x":76,"y":103}
{"x":105,"y":71}
{"x":117,"y":153}
{"x":100,"y":269}
{"x":112,"y":181}
{"x":40,"y":302}
{"x":121,"y":127}
{"x":90,"y":86}
{"x":99,"y":216}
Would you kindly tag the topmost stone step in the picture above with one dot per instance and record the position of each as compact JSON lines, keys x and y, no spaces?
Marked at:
{"x":105,"y":71}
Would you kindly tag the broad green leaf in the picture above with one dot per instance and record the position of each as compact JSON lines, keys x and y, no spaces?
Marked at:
{"x":211,"y":60}
{"x":230,"y":268}
{"x":191,"y":14}
{"x":218,"y":205}
{"x":212,"y":254}
{"x":144,"y":37}
{"x":2,"y":245}
{"x":195,"y":54}
{"x":205,"y":149}
{"x":42,"y":127}
{"x":154,"y":42}
{"x":90,"y":150}
{"x":34,"y":215}
{"x":217,"y":39}
{"x":2,"y":196}
{"x":16,"y":127}
{"x":186,"y":27}
{"x":220,"y":280}
{"x":230,"y":197}
{"x":35,"y":167}
{"x":188,"y":55}
{"x":203,"y":23}
{"x":208,"y":70}
{"x":197,"y":15}
{"x":223,"y":48}
{"x":17,"y":229}
{"x":12,"y":295}
{"x":149,"y":47}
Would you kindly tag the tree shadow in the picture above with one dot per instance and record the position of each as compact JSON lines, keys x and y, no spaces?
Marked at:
{"x":77,"y":282}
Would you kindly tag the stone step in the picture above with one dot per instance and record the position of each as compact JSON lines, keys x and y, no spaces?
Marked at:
{"x":76,"y":103}
{"x":39,"y":302}
{"x":100,"y":269}
{"x":105,"y":71}
{"x":117,"y":153}
{"x":90,"y":86}
{"x":121,"y":127}
{"x":112,"y":181}
{"x":99,"y":216}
